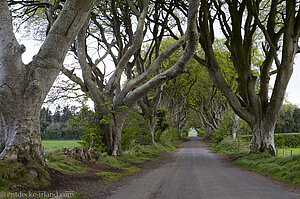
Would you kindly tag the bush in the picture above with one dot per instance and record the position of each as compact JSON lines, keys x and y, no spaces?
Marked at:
{"x":224,"y":127}
{"x":170,"y":136}
{"x":135,"y":131}
{"x":282,"y":140}
{"x":201,"y":133}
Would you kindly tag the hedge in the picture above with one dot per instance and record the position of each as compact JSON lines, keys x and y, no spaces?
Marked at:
{"x":291,"y":140}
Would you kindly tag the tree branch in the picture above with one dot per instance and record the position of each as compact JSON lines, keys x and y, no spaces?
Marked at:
{"x":62,"y":34}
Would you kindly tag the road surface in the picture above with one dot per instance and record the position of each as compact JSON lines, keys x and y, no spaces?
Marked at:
{"x":198,"y":174}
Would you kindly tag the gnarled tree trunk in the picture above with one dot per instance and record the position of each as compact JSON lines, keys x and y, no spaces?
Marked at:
{"x":263,"y":137}
{"x":23,"y":88}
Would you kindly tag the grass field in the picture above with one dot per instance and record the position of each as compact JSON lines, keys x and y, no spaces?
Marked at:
{"x":51,"y":145}
{"x":287,"y":152}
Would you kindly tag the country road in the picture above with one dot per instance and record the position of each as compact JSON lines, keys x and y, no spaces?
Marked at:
{"x":198,"y":174}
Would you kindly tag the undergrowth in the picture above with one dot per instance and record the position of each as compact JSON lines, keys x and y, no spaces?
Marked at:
{"x":56,"y":160}
{"x":230,"y":146}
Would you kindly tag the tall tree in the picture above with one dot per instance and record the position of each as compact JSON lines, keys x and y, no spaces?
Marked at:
{"x":125,"y":51}
{"x":23,"y":87}
{"x":241,"y":22}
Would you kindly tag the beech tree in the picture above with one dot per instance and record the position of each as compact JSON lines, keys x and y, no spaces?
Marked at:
{"x":241,"y":21}
{"x":23,"y":87}
{"x":128,"y":26}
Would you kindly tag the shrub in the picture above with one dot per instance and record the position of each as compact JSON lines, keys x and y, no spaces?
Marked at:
{"x":135,"y":131}
{"x":170,"y":136}
{"x":201,"y":133}
{"x":224,"y":127}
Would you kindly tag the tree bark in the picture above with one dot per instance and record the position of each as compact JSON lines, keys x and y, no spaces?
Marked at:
{"x":207,"y":130}
{"x":263,"y":137}
{"x":235,"y":125}
{"x":113,"y":133}
{"x":23,"y":88}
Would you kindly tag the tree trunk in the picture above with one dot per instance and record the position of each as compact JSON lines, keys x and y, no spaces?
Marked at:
{"x":152,"y":129}
{"x":113,"y":133}
{"x":263,"y":137}
{"x":207,"y":130}
{"x":23,"y":88}
{"x":235,"y":125}
{"x":20,"y":133}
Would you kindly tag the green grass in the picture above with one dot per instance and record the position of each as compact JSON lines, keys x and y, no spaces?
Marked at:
{"x":132,"y":169}
{"x":110,"y":176}
{"x":287,"y":152}
{"x":282,"y":168}
{"x":56,"y":160}
{"x":51,"y":145}
{"x":138,"y":155}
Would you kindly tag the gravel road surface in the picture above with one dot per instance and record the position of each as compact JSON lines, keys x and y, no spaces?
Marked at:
{"x":198,"y":174}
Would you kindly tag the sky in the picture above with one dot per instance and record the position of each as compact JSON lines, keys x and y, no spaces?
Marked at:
{"x":293,"y":89}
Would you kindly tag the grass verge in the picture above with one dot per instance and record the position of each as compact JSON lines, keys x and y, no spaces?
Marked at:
{"x":138,"y":155}
{"x":282,"y":168}
{"x":107,"y":177}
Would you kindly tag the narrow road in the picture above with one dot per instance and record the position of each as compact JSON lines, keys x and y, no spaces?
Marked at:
{"x":198,"y":174}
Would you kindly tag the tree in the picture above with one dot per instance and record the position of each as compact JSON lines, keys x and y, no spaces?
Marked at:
{"x":123,"y":42}
{"x":23,"y":88}
{"x":241,"y":22}
{"x":286,"y":123}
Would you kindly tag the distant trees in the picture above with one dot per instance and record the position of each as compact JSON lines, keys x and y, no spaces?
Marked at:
{"x":56,"y":126}
{"x":288,"y":120}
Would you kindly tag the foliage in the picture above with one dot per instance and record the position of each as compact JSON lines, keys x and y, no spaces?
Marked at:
{"x":287,"y":168}
{"x":162,"y":123}
{"x":288,"y":120}
{"x":55,"y":126}
{"x":201,"y":133}
{"x":281,"y":140}
{"x":135,"y":131}
{"x":88,"y":122}
{"x":223,"y":130}
{"x":170,"y":136}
